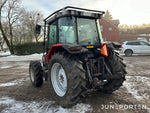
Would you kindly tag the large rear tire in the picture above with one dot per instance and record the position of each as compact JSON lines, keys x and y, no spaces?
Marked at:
{"x":117,"y":67}
{"x":35,"y":73}
{"x":66,"y":79}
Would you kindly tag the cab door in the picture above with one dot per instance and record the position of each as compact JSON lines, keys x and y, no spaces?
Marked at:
{"x":52,"y":35}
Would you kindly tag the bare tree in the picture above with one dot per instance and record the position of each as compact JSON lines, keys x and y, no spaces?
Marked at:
{"x":2,"y":5}
{"x":1,"y":42}
{"x":9,"y":9}
{"x":135,"y":29}
{"x":29,"y":21}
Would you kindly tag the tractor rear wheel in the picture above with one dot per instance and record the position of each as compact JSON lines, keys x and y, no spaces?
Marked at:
{"x":35,"y":73}
{"x":66,"y":79}
{"x":117,"y":67}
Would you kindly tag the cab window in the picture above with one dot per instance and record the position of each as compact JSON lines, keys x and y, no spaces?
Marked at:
{"x":67,"y":30}
{"x":52,"y":34}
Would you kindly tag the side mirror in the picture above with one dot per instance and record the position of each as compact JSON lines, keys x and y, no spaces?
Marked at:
{"x":38,"y":29}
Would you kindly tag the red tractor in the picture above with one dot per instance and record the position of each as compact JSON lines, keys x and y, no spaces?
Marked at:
{"x":75,"y":59}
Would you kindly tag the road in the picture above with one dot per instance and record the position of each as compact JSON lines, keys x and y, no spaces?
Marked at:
{"x":17,"y":94}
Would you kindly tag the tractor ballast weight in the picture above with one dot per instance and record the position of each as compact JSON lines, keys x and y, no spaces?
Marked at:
{"x":75,"y":59}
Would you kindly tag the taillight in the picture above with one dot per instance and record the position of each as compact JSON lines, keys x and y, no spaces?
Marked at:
{"x":104,"y":50}
{"x":121,"y":46}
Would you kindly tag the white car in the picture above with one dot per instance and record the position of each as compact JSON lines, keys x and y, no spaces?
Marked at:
{"x":135,"y":47}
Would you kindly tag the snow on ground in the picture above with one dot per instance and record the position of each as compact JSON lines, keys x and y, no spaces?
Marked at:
{"x":4,"y":67}
{"x":12,"y":64}
{"x":13,"y":106}
{"x":22,"y":58}
{"x":4,"y":53}
{"x":138,"y":86}
{"x":15,"y":82}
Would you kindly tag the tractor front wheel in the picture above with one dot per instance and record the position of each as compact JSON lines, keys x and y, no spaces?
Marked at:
{"x":35,"y":73}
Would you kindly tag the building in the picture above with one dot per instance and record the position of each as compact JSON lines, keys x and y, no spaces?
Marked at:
{"x":127,"y":37}
{"x":110,"y":31}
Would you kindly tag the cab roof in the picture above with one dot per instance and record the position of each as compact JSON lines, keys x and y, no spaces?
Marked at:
{"x":74,"y":11}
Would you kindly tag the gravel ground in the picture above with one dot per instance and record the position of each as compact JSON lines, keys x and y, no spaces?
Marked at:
{"x":17,"y":94}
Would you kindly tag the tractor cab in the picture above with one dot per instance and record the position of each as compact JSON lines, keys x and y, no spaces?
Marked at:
{"x":72,"y":25}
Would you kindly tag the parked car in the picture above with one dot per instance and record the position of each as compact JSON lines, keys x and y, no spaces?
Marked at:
{"x":135,"y":47}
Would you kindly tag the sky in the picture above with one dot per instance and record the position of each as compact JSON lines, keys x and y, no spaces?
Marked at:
{"x":130,"y":12}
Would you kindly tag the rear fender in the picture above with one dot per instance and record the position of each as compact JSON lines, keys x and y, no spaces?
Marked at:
{"x":65,"y":47}
{"x":51,"y":52}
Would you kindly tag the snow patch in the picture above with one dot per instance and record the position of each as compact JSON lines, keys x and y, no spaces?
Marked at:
{"x":4,"y":53}
{"x":5,"y":67}
{"x":13,"y":106}
{"x":15,"y":82}
{"x":36,"y":54}
{"x":12,"y":64}
{"x":132,"y":91}
{"x":138,"y":86}
{"x":22,"y":58}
